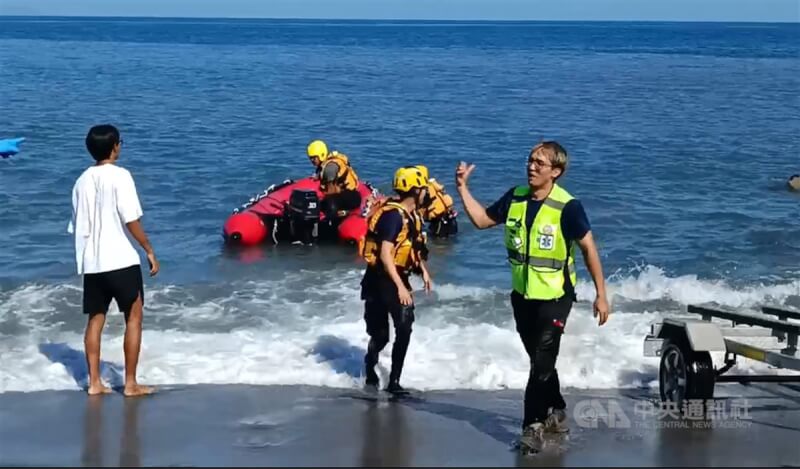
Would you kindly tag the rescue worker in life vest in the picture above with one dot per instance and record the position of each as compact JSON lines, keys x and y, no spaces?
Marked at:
{"x":317,"y":151}
{"x":542,"y":222}
{"x":394,"y":248}
{"x":437,"y":208}
{"x":338,"y":180}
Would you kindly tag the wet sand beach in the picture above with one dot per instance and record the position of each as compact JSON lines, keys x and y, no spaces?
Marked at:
{"x":242,"y":425}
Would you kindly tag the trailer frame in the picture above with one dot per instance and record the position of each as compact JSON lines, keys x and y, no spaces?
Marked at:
{"x":684,"y":345}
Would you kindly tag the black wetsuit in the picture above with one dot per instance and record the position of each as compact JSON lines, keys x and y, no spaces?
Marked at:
{"x":381,"y":301}
{"x":344,"y":200}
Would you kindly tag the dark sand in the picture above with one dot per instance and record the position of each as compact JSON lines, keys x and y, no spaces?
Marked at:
{"x":239,"y":425}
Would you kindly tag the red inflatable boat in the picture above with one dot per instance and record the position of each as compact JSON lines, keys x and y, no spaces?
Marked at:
{"x":293,"y":211}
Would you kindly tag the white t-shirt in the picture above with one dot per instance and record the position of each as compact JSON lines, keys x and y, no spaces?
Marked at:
{"x":104,"y":199}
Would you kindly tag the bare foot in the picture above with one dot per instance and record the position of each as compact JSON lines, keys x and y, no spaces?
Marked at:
{"x":138,"y":390}
{"x":98,"y":389}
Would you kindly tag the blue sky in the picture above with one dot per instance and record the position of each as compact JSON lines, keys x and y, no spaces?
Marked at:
{"x":670,"y":10}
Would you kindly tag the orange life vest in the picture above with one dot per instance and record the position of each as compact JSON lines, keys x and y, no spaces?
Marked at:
{"x":346,"y":177}
{"x":409,"y":248}
{"x":439,"y":202}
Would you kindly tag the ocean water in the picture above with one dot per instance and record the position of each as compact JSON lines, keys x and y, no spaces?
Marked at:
{"x":681,"y":139}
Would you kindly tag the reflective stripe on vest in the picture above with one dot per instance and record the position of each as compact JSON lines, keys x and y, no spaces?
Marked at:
{"x":537,"y":261}
{"x":538,"y":257}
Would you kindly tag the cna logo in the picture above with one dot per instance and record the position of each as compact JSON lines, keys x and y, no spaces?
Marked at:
{"x":589,"y":413}
{"x":694,"y":413}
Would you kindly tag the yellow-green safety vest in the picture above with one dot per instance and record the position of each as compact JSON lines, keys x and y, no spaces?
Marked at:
{"x":538,"y":258}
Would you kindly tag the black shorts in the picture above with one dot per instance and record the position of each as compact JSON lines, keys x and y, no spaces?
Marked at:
{"x":122,"y":285}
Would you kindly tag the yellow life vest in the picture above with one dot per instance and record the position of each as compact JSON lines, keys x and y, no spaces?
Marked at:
{"x":409,"y":247}
{"x":539,"y":256}
{"x":439,"y":202}
{"x":346,"y":177}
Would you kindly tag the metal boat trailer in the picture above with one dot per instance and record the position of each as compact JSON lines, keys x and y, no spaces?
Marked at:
{"x":686,"y":371}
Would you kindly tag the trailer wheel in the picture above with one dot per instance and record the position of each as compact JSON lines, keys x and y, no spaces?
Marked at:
{"x":685,"y":375}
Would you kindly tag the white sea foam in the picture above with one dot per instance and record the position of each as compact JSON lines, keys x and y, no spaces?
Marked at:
{"x":321,"y":339}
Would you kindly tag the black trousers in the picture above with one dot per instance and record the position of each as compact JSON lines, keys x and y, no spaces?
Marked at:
{"x":345,"y":200}
{"x":380,"y":302}
{"x":540,"y":325}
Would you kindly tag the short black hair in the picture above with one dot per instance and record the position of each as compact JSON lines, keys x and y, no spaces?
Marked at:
{"x":101,"y":140}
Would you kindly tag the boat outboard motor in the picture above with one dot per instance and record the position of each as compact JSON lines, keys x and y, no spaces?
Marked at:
{"x":303,"y":212}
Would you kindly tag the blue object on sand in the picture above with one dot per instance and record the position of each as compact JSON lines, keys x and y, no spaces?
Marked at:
{"x":10,"y":146}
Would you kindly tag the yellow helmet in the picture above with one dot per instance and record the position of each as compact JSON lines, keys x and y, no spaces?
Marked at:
{"x":423,"y":169}
{"x":318,"y":149}
{"x":409,"y":177}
